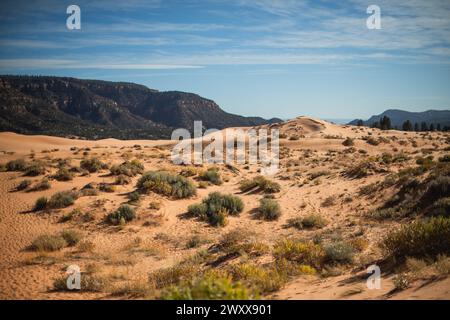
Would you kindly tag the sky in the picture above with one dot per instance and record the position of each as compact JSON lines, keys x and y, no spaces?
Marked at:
{"x":269,"y":58}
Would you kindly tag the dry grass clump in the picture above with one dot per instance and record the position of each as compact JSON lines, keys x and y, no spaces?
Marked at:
{"x":92,"y":165}
{"x":311,"y":221}
{"x":24,"y":184}
{"x":259,"y":183}
{"x":167,"y":184}
{"x":348,"y":142}
{"x":422,"y":238}
{"x":62,"y":199}
{"x":63,"y":174}
{"x":88,"y":283}
{"x":211,"y":175}
{"x":42,"y":185}
{"x":128,"y":168}
{"x":35,"y":168}
{"x":16,"y":165}
{"x":48,"y":242}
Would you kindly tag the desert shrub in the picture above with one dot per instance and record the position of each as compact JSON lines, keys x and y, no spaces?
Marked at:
{"x":441,"y":207}
{"x":44,"y":184}
{"x":92,"y":165}
{"x":202,"y":185}
{"x":88,"y":283}
{"x":106,"y":187}
{"x":166,"y":183}
{"x":72,"y":237}
{"x":48,"y":243}
{"x":329,"y":201}
{"x":128,"y":168}
{"x":208,"y":287}
{"x":436,"y":189}
{"x":40,"y":204}
{"x":260,"y":279}
{"x":63,"y":174}
{"x":306,"y":253}
{"x":16,"y":165}
{"x":260,"y":183}
{"x":218,"y":218}
{"x":212,"y":175}
{"x":311,"y":221}
{"x":188,"y":172}
{"x":216,"y":207}
{"x":122,"y":179}
{"x":269,"y":209}
{"x":24,"y":184}
{"x":294,"y":138}
{"x":317,"y":174}
{"x":198,"y":210}
{"x":154,"y":205}
{"x":170,"y":276}
{"x":348,"y":142}
{"x":34,"y":169}
{"x":339,"y":252}
{"x":134,"y":196}
{"x":422,"y":238}
{"x":372,"y":141}
{"x":123,"y":214}
{"x":62,"y":199}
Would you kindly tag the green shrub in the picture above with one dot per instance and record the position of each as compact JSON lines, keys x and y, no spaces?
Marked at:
{"x":48,"y":243}
{"x":34,"y":169}
{"x":427,"y":238}
{"x":166,"y":183}
{"x":24,"y":184}
{"x":72,"y":237}
{"x":216,"y":207}
{"x":212,"y":175}
{"x":134,"y":196}
{"x":261,"y":279}
{"x":339,"y":252}
{"x":16,"y":165}
{"x":269,"y":209}
{"x":128,"y":168}
{"x":62,"y":199}
{"x":44,"y":184}
{"x":208,"y":287}
{"x":40,"y":204}
{"x":63,"y":174}
{"x":311,"y":221}
{"x":92,"y":165}
{"x":123,"y":213}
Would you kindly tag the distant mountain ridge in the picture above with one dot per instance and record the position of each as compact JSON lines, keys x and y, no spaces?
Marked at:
{"x":398,"y":117}
{"x":95,"y":109}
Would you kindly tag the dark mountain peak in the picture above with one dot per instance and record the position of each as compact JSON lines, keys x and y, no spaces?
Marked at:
{"x":65,"y":106}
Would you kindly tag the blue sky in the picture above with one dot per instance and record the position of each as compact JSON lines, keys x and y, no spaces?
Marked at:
{"x":271,"y":58}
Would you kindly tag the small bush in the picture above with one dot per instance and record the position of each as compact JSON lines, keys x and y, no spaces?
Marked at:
{"x":134,"y":196}
{"x":72,"y":237}
{"x":311,"y":221}
{"x":128,"y":168}
{"x":348,"y":142}
{"x":92,"y":165}
{"x":34,"y":169}
{"x":259,"y":183}
{"x":48,"y":243}
{"x":122,"y":179}
{"x":24,"y":184}
{"x":89,"y":283}
{"x":62,"y":199}
{"x":208,"y":287}
{"x":441,"y":207}
{"x":124,"y":213}
{"x":40,"y":204}
{"x":63,"y":174}
{"x":339,"y":252}
{"x":260,"y":279}
{"x":16,"y":165}
{"x":106,"y":187}
{"x":419,"y":239}
{"x":212,"y":175}
{"x":306,"y":253}
{"x":216,"y":207}
{"x":166,"y":183}
{"x":269,"y":209}
{"x":44,"y":184}
{"x":329,"y":201}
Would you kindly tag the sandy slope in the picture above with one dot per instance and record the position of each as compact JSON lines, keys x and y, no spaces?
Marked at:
{"x":130,"y":253}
